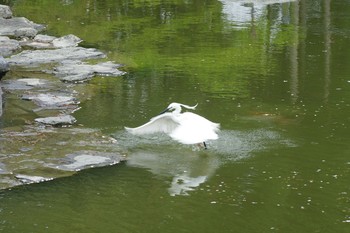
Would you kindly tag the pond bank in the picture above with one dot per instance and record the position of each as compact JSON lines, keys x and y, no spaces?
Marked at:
{"x":42,"y":77}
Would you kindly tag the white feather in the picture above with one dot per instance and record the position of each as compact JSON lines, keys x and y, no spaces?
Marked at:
{"x":194,"y":129}
{"x":160,"y":124}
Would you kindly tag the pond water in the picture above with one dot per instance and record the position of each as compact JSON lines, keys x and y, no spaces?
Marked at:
{"x":274,"y":74}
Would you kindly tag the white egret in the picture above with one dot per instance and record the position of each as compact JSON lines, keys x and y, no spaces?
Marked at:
{"x":186,"y":128}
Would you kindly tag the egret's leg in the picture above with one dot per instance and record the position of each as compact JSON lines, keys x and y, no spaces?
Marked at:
{"x":205,"y":145}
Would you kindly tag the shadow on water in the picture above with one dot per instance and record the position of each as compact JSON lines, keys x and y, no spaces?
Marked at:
{"x":189,"y":166}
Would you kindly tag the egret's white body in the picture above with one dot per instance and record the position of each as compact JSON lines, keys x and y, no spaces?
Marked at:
{"x":186,"y":128}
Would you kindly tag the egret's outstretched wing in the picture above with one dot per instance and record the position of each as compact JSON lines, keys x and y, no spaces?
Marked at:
{"x":164,"y":123}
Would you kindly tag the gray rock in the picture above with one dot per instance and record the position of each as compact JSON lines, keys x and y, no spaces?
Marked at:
{"x":58,"y":120}
{"x":9,"y":26}
{"x":76,"y":71}
{"x":28,"y":145}
{"x":25,"y":32}
{"x":36,"y":45}
{"x":66,"y":41}
{"x":4,"y":67}
{"x":51,"y":100}
{"x":8,"y":46}
{"x":38,"y":57}
{"x":5,"y":12}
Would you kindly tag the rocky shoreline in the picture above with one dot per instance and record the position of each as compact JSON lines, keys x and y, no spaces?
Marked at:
{"x":43,"y":73}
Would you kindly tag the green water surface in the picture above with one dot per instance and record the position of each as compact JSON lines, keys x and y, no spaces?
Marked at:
{"x":275,"y":76}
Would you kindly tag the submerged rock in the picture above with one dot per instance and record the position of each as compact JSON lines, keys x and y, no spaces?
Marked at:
{"x":75,"y":71}
{"x":1,"y":101}
{"x":51,"y":100}
{"x":23,"y":83}
{"x":51,"y":42}
{"x":3,"y":169}
{"x":88,"y":159}
{"x":31,"y":179}
{"x":8,"y":27}
{"x":58,"y":120}
{"x":34,"y":153}
{"x":38,"y":57}
{"x":8,"y":181}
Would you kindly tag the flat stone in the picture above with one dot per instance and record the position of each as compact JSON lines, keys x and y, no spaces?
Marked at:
{"x":33,"y":82}
{"x":58,"y":120}
{"x":16,"y":84}
{"x":36,"y":45}
{"x":38,"y":57}
{"x":51,"y":42}
{"x":9,"y":26}
{"x":34,"y":153}
{"x":8,"y":46}
{"x":51,"y":100}
{"x":39,"y":42}
{"x":5,"y":12}
{"x":75,"y":71}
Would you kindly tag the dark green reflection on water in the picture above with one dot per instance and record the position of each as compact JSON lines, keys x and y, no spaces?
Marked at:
{"x":276,"y":79}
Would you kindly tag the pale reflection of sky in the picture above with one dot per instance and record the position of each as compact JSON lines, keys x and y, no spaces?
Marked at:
{"x":244,"y":12}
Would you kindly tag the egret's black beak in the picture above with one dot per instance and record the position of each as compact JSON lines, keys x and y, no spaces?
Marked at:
{"x":166,"y":110}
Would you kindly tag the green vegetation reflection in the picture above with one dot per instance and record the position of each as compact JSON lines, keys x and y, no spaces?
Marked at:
{"x":154,"y":35}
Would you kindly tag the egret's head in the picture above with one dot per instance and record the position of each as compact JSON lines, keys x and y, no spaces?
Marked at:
{"x":176,"y":107}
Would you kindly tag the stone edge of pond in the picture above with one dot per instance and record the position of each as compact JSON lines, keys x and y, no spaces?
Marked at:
{"x":23,"y":48}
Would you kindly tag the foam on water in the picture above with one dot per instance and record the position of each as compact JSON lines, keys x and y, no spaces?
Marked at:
{"x":189,"y":166}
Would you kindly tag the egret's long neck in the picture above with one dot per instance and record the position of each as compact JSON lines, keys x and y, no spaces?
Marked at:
{"x":177,"y":110}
